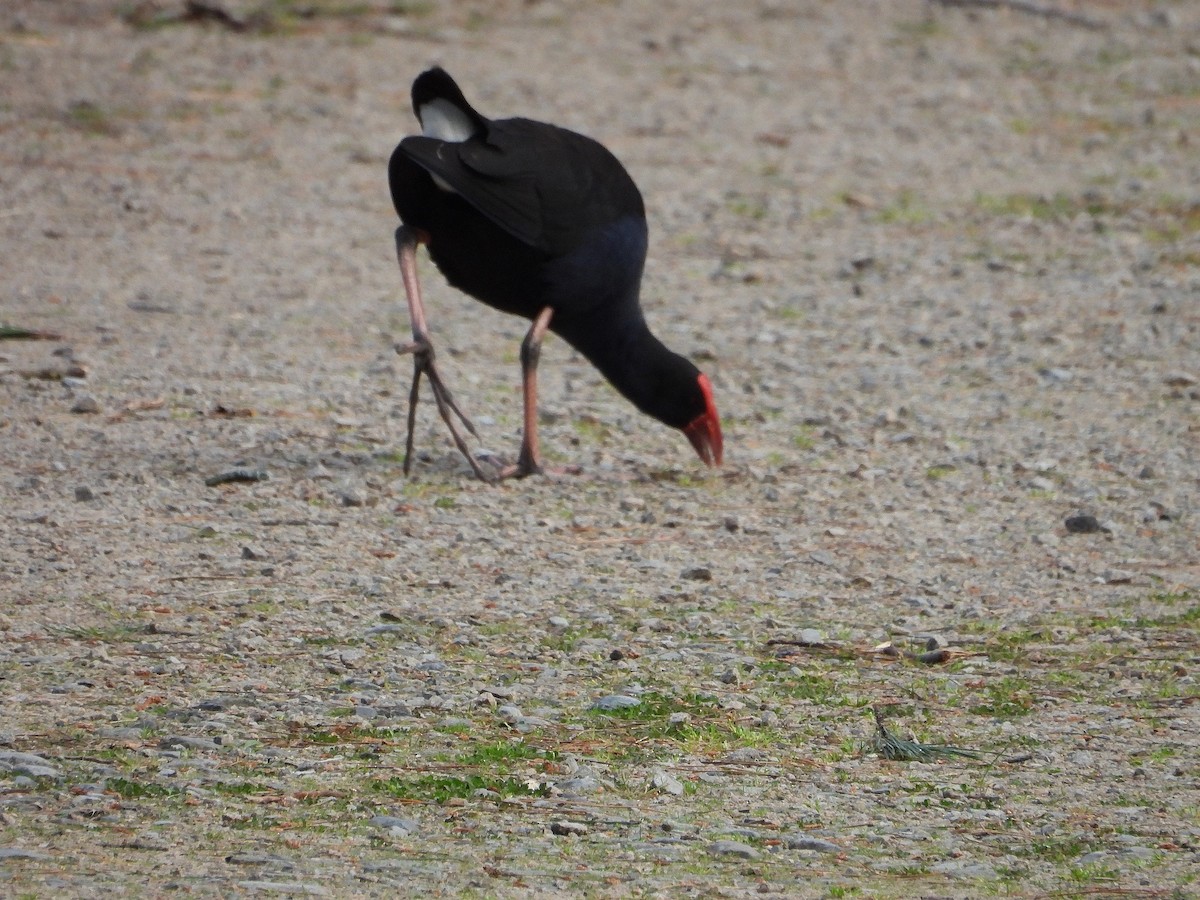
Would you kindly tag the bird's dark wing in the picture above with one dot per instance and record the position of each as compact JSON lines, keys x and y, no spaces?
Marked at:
{"x":542,"y":184}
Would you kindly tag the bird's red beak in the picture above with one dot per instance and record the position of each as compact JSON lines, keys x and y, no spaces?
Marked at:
{"x":704,"y":431}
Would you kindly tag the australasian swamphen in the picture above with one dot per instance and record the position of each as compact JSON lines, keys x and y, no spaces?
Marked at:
{"x":544,"y":223}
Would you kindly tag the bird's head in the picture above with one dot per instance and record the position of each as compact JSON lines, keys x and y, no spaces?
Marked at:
{"x":704,"y":431}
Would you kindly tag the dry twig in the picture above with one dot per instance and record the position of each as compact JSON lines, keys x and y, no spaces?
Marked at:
{"x":1033,"y":9}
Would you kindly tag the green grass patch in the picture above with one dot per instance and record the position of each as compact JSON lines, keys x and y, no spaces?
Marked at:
{"x":501,"y":752}
{"x":920,"y":28}
{"x":652,"y":706}
{"x":1007,"y":698}
{"x":241,"y":788}
{"x":91,"y":118}
{"x":139,"y":790}
{"x":441,"y":788}
{"x":1054,"y":848}
{"x":805,"y":437}
{"x":906,"y":209}
{"x":1038,"y":206}
{"x":654,"y":726}
{"x":816,"y":688}
{"x":748,"y":207}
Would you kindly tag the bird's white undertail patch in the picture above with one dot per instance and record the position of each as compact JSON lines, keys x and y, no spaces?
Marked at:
{"x":443,"y":120}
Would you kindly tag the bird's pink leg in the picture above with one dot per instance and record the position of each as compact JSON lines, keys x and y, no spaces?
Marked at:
{"x":421,"y":348}
{"x":529,"y":462}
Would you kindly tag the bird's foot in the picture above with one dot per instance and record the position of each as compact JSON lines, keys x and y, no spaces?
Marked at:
{"x":527,"y":465}
{"x":423,"y":364}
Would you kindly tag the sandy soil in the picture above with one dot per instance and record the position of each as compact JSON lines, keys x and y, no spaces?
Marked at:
{"x":943,"y":267}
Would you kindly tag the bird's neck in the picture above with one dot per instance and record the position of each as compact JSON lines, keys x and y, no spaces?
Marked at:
{"x":634,"y":361}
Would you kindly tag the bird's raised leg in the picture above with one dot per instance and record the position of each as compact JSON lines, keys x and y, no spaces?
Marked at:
{"x":421,"y":349}
{"x":529,"y":462}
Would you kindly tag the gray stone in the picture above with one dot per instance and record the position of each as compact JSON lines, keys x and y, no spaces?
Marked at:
{"x":510,"y":713}
{"x":733,"y":848}
{"x":250,"y":858}
{"x":808,"y":842}
{"x":743,"y":755}
{"x":385,"y":629}
{"x":615,"y":701}
{"x":579,"y":784}
{"x":28,"y":764}
{"x":666,"y":783}
{"x":964,"y":868}
{"x":21,"y":853}
{"x":396,"y":824}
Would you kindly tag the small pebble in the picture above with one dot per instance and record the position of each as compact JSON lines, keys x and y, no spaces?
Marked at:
{"x":233,"y":476}
{"x":86,"y":405}
{"x":1084,"y":524}
{"x":567,"y":828}
{"x":182,"y":742}
{"x":84,"y":494}
{"x":1056,"y":374}
{"x":697,"y":573}
{"x":934,"y":657}
{"x":352,"y":496}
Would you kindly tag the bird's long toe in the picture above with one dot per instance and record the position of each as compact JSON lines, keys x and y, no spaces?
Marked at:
{"x":424,"y":365}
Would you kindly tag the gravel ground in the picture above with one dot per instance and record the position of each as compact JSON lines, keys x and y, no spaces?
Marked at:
{"x":943,"y":266}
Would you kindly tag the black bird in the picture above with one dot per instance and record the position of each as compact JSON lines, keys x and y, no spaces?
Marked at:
{"x":544,"y":223}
